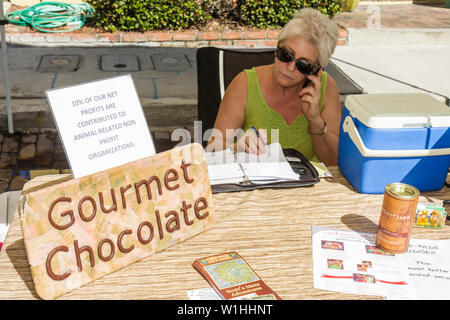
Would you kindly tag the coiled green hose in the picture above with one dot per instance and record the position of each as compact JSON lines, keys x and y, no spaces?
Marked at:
{"x":46,"y":16}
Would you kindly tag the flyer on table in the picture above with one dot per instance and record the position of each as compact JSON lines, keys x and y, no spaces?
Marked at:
{"x":349,"y":262}
{"x":101,"y":124}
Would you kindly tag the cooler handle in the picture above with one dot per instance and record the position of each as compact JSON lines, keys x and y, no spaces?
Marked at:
{"x":349,"y":127}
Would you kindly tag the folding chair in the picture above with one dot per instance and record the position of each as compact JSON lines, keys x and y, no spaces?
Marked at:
{"x":217,"y":67}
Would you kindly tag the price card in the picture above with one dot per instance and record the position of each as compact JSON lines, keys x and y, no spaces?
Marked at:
{"x":101,"y":124}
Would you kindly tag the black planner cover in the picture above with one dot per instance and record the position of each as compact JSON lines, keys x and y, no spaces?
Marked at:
{"x":307,"y":172}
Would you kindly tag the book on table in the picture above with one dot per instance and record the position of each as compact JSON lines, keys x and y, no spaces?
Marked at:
{"x":233,"y":278}
{"x":229,"y":171}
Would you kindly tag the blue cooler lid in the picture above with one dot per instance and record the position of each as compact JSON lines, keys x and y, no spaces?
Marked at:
{"x":398,"y":110}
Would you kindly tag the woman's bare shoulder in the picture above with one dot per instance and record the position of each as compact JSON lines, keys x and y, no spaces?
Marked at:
{"x":240,"y":78}
{"x":332,"y":90}
{"x":237,"y":87}
{"x":331,"y":84}
{"x":263,"y":70}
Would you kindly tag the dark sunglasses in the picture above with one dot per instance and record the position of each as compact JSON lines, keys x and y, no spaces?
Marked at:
{"x":302,"y":65}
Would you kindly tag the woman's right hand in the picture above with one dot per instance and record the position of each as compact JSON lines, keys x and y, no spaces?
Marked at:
{"x":250,"y":142}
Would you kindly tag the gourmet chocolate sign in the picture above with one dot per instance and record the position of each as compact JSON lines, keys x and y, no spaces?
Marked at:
{"x":83,"y":229}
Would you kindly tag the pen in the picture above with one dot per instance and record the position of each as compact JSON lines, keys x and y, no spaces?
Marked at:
{"x":260,"y":147}
{"x":256,"y":131}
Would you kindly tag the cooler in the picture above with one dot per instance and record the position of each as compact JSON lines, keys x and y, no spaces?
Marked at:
{"x":386,"y":138}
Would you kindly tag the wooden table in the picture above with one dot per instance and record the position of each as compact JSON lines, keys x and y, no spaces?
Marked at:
{"x":270,"y":228}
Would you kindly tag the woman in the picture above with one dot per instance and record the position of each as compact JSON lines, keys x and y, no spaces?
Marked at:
{"x":293,"y":95}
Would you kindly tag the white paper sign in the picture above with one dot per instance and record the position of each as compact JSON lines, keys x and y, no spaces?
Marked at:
{"x":203,"y":294}
{"x":429,"y":268}
{"x":101,"y":124}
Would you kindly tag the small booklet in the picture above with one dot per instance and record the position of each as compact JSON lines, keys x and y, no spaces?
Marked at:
{"x":430,"y":215}
{"x":233,"y":279}
{"x":322,"y":170}
{"x":245,"y":168}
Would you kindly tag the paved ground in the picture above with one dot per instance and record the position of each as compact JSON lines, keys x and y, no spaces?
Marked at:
{"x":165,"y":79}
{"x":406,"y":42}
{"x":400,"y":16}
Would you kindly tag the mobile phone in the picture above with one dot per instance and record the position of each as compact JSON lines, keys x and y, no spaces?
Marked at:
{"x":306,"y":83}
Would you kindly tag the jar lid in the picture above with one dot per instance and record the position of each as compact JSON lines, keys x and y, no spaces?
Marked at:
{"x":402,"y":190}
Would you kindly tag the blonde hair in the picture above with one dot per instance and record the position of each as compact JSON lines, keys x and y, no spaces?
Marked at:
{"x":317,"y":28}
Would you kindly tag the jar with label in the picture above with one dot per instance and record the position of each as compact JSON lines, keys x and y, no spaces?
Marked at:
{"x":397,"y":217}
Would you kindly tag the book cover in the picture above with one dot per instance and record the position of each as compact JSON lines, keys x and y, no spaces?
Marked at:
{"x":232,"y":278}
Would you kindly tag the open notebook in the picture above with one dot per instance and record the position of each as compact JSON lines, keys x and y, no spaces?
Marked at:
{"x":230,"y":171}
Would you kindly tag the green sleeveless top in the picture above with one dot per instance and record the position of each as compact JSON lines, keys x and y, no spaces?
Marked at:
{"x":260,"y":115}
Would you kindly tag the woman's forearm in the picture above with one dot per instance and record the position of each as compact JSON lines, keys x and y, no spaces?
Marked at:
{"x":326,"y":147}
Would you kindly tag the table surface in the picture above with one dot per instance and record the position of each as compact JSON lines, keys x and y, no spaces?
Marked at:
{"x":270,"y":229}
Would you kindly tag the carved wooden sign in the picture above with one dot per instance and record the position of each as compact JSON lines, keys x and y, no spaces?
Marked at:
{"x":83,"y":229}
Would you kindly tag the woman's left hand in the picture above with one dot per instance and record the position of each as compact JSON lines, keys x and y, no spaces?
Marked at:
{"x":310,"y":96}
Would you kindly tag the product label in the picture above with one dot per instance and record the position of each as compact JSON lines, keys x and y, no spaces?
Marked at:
{"x":393,"y":234}
{"x":396,"y":220}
